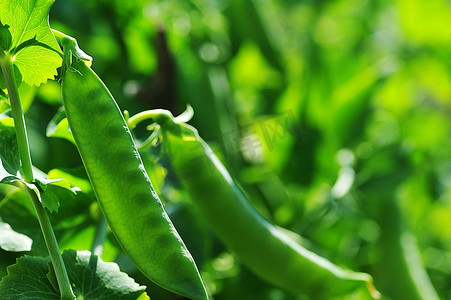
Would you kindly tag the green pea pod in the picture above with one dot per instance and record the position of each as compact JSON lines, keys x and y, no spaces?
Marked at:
{"x":264,"y":248}
{"x":122,"y":187}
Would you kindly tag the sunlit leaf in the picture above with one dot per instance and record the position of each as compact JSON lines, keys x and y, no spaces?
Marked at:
{"x":91,"y":278}
{"x":28,"y":21}
{"x":11,"y":240}
{"x":59,"y":127}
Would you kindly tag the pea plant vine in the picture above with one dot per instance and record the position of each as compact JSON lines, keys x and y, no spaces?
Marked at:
{"x":32,"y":53}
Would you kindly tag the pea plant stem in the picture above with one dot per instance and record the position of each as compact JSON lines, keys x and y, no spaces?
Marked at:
{"x":6,"y":63}
{"x":99,"y":239}
{"x":18,"y":116}
{"x":145,"y":115}
{"x":53,"y":248}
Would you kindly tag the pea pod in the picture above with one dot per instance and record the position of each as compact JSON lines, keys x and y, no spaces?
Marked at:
{"x":264,"y":248}
{"x":122,"y":187}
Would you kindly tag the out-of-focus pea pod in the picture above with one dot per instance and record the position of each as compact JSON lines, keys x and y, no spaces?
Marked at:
{"x":263,"y":247}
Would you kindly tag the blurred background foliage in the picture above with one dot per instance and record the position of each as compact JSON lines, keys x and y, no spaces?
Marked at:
{"x":334,"y":116}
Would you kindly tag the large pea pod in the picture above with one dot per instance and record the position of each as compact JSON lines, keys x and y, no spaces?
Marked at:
{"x":264,"y":248}
{"x":122,"y":186}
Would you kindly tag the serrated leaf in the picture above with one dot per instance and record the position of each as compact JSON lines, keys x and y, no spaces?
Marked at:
{"x":46,"y":195}
{"x":105,"y":278}
{"x":28,"y":20}
{"x":90,"y":277}
{"x":11,"y":240}
{"x":49,"y":191}
{"x":48,"y":198}
{"x":27,"y":279}
{"x":59,"y":127}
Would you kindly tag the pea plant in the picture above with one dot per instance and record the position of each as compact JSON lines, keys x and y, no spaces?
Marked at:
{"x":32,"y":53}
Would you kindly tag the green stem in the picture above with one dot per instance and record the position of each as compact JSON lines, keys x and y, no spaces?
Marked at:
{"x":18,"y":116}
{"x":52,"y":246}
{"x":6,"y":64}
{"x":99,"y":239}
{"x":160,"y":116}
{"x":155,"y":114}
{"x":150,"y":141}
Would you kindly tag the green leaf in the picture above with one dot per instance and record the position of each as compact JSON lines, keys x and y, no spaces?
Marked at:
{"x":9,"y":154}
{"x":105,"y":279}
{"x":91,"y":278}
{"x":51,"y":276}
{"x":17,"y":210}
{"x":48,"y":198}
{"x":76,"y":177}
{"x":5,"y":37}
{"x":2,"y":97}
{"x":5,"y":108}
{"x":62,"y":184}
{"x":27,"y":96}
{"x":48,"y":192}
{"x":59,"y":127}
{"x":73,"y":224}
{"x":11,"y":240}
{"x":32,"y":42}
{"x":28,"y":23}
{"x":27,"y":280}
{"x":17,"y":79}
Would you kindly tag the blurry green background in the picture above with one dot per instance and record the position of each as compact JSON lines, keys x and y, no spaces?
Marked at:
{"x":334,"y":116}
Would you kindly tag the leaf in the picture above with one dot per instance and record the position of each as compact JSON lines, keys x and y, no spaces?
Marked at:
{"x":27,"y":280}
{"x":48,"y":192}
{"x":76,"y":177}
{"x":48,"y":198}
{"x":51,"y":276}
{"x":2,"y":96}
{"x":91,"y":279}
{"x":17,"y":79}
{"x":9,"y":154}
{"x":5,"y":37}
{"x":105,"y":279}
{"x":62,"y":184}
{"x":27,"y":96}
{"x":59,"y":127}
{"x":11,"y":240}
{"x":73,"y":225}
{"x":28,"y":21}
{"x":17,"y":210}
{"x":5,"y":110}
